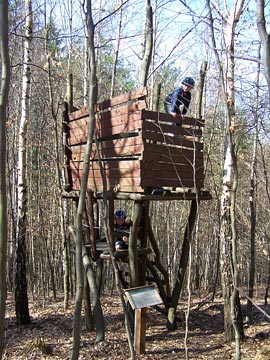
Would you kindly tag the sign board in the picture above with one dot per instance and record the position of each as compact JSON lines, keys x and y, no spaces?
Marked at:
{"x":142,"y":297}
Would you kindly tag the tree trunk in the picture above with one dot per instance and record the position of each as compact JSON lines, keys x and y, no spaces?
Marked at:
{"x":21,"y":297}
{"x":4,"y":91}
{"x":252,"y":205}
{"x":116,"y":53}
{"x":171,"y":324}
{"x":82,"y":197}
{"x":233,"y":325}
{"x":132,"y":245}
{"x":147,"y":44}
{"x":97,"y":310}
{"x":265,"y":38}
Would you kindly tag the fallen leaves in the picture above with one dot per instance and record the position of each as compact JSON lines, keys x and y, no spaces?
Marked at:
{"x":49,"y":336}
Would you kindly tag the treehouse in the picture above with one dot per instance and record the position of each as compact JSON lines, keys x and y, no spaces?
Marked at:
{"x":137,"y":155}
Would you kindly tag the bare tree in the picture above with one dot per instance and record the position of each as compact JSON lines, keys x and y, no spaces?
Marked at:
{"x":228,"y":235}
{"x":4,"y":90}
{"x":21,"y":297}
{"x":81,"y":204}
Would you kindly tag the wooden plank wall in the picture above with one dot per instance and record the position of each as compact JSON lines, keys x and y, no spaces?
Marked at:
{"x":138,"y":148}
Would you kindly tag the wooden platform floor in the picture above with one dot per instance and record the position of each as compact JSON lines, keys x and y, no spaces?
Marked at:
{"x":158,"y":194}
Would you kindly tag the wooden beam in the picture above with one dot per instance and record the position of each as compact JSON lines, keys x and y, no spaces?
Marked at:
{"x":140,"y":330}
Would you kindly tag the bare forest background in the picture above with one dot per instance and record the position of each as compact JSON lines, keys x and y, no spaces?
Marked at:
{"x":184,"y":36}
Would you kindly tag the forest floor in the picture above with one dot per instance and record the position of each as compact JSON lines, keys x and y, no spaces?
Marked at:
{"x":52,"y":327}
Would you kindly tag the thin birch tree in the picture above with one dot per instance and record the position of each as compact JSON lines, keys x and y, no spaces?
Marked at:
{"x":4,"y":91}
{"x":21,"y":296}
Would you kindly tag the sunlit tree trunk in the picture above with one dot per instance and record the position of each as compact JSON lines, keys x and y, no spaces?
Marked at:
{"x":147,"y":44}
{"x":21,"y":297}
{"x":233,"y":325}
{"x":4,"y":90}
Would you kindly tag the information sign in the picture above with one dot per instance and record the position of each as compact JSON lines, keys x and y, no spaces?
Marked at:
{"x":143,"y":296}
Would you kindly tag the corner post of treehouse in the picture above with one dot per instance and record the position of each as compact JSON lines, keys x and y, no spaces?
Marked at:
{"x":132,"y":246}
{"x":111,"y":216}
{"x":171,"y":323}
{"x":91,"y":222}
{"x":143,"y":235}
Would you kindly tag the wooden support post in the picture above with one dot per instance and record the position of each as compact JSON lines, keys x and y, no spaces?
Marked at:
{"x":143,"y":235}
{"x":140,"y":330}
{"x":171,"y":324}
{"x":90,"y":215}
{"x":132,"y":244}
{"x":111,"y":217}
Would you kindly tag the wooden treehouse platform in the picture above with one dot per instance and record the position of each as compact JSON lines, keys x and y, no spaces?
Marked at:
{"x":139,"y":154}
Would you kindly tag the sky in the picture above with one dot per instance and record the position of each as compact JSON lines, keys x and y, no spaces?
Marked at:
{"x":182,"y":35}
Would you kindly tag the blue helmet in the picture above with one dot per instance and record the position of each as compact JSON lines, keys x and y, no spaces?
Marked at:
{"x":120,"y":214}
{"x":188,"y":81}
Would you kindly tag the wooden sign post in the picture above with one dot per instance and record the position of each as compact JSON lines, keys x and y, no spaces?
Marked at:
{"x":140,"y":298}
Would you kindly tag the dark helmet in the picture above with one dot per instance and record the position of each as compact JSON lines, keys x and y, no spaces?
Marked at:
{"x":188,"y":81}
{"x":120,"y":214}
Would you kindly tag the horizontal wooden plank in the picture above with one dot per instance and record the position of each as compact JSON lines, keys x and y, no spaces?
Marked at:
{"x":117,"y":116}
{"x":120,"y":115}
{"x":171,"y":150}
{"x":144,"y":177}
{"x":159,"y":116}
{"x":160,"y":153}
{"x":189,"y":183}
{"x":116,"y":184}
{"x":120,"y":166}
{"x":113,"y":143}
{"x":76,"y":115}
{"x":109,"y":117}
{"x":79,"y":135}
{"x":136,"y":94}
{"x":169,"y":167}
{"x":99,"y":188}
{"x":171,"y":129}
{"x":126,"y":151}
{"x":117,"y":175}
{"x":177,"y":141}
{"x":144,"y":172}
{"x":152,"y":183}
{"x":163,"y":177}
{"x":116,"y":164}
{"x":125,"y":127}
{"x":173,"y":159}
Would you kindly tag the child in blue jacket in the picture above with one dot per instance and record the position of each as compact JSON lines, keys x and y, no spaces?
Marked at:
{"x":177,"y":102}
